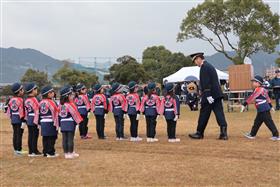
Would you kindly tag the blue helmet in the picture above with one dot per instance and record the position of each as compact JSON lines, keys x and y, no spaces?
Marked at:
{"x":16,"y":87}
{"x":29,"y":87}
{"x":45,"y":90}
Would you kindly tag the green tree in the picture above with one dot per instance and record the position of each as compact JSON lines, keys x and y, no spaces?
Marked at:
{"x":245,"y":26}
{"x":67,"y":75}
{"x":40,"y":78}
{"x":127,"y":70}
{"x":6,"y":90}
{"x":160,"y":62}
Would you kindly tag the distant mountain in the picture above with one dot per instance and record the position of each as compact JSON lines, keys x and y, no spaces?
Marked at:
{"x":261,"y":61}
{"x":16,"y":61}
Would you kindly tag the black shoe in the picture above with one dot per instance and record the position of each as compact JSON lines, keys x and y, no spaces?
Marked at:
{"x":223,"y":134}
{"x":223,"y":137}
{"x":196,"y":135}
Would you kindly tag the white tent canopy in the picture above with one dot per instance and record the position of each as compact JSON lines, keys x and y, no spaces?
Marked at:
{"x":185,"y":72}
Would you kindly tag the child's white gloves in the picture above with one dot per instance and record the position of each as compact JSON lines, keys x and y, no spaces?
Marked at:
{"x":176,"y":118}
{"x":23,"y":125}
{"x":242,"y":108}
{"x":137,"y":117}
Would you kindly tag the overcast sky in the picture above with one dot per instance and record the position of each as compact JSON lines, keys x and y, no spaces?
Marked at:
{"x":112,"y":29}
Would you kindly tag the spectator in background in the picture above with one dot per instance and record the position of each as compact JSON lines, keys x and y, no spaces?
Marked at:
{"x":275,"y":85}
{"x":266,"y":84}
{"x":226,"y":86}
{"x":192,"y":96}
{"x":178,"y":89}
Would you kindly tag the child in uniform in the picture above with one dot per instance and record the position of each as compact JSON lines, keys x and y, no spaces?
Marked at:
{"x":32,"y":119}
{"x":118,"y":107}
{"x":48,"y":117}
{"x":150,"y":106}
{"x":99,"y":107}
{"x":69,"y":117}
{"x":83,"y":105}
{"x":170,"y":108}
{"x":133,"y":110}
{"x":15,"y":111}
{"x":263,"y":105}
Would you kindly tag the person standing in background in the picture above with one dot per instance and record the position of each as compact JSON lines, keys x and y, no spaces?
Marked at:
{"x":275,"y":85}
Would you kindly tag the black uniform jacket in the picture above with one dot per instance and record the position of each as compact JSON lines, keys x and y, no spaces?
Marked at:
{"x":209,"y":82}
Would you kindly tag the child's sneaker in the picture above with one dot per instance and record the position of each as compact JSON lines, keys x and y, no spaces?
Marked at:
{"x":177,"y":139}
{"x":32,"y":155}
{"x":68,"y":156}
{"x":52,"y":156}
{"x":75,"y":155}
{"x":155,"y":140}
{"x":118,"y":139}
{"x":149,"y":139}
{"x":35,"y":154}
{"x":171,"y":140}
{"x":275,"y":138}
{"x":88,"y":136}
{"x":132,"y":139}
{"x":122,"y":138}
{"x":24,"y":152}
{"x":249,"y":136}
{"x":18,"y":153}
{"x":138,"y":138}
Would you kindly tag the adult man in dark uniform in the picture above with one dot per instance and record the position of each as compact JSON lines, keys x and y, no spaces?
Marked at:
{"x":211,"y":98}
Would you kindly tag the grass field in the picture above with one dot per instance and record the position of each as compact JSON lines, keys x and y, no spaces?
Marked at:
{"x":207,"y":162}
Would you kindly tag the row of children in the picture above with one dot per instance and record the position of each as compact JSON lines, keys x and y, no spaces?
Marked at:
{"x":45,"y":115}
{"x":48,"y":116}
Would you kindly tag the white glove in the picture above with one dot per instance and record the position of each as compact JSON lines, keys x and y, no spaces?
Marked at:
{"x":210,"y":99}
{"x":176,"y":118}
{"x":272,"y":110}
{"x":137,"y":117}
{"x":242,"y":108}
{"x":105,"y":116}
{"x":23,"y":125}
